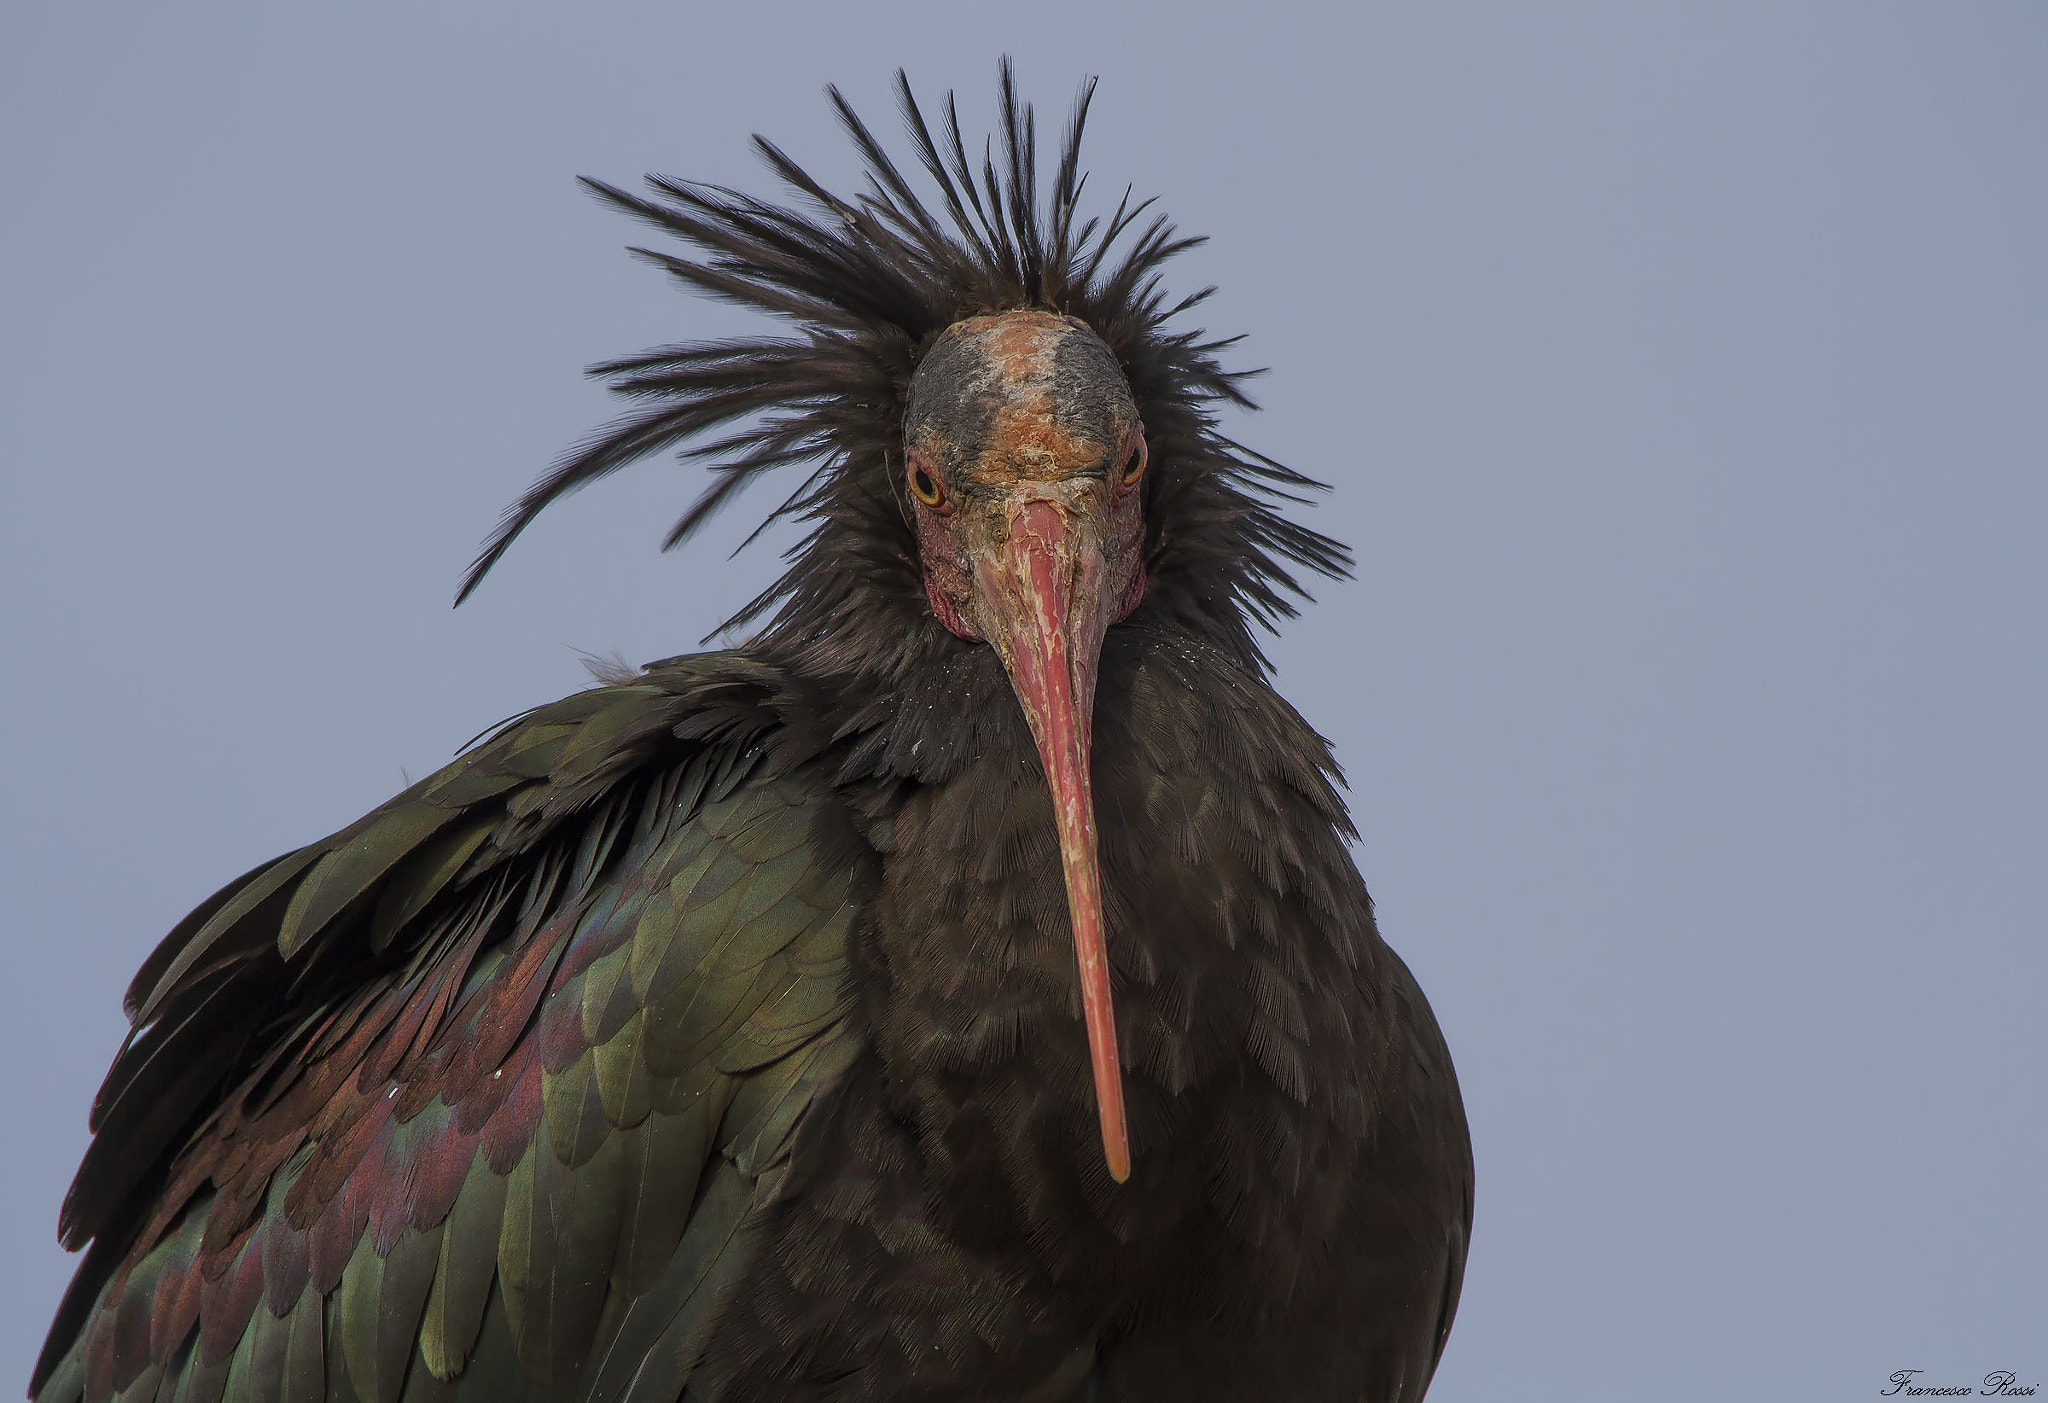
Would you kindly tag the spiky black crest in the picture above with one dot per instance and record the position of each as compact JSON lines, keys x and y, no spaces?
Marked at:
{"x":870,"y":282}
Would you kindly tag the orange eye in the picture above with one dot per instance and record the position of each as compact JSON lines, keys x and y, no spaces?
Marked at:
{"x":925,"y":487}
{"x":1134,"y":465}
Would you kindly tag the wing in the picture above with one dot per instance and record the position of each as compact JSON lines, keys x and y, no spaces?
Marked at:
{"x":479,"y":1097}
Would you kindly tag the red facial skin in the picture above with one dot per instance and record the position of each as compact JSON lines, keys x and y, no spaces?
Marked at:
{"x":1033,"y":541}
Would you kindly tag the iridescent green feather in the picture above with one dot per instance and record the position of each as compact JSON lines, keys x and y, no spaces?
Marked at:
{"x":712,"y":1018}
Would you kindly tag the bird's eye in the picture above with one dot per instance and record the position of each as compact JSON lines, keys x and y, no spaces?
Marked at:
{"x":1134,"y":465}
{"x":923,"y":484}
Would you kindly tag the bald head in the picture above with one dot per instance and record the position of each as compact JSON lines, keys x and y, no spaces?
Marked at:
{"x":1019,"y":396}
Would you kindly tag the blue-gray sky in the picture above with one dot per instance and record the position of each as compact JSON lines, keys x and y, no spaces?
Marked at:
{"x":1682,"y":372}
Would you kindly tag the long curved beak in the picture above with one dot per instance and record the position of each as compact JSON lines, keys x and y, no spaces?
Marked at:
{"x":1044,"y":597}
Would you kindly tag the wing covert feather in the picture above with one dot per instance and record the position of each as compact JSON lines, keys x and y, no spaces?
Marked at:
{"x":540,"y":1035}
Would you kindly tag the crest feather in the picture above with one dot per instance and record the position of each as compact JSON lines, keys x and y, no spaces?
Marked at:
{"x":867,"y":282}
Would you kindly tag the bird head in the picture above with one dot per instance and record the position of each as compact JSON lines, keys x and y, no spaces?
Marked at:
{"x":1023,"y":458}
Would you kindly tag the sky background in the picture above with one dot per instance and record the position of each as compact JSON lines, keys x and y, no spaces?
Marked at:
{"x":1682,"y":373}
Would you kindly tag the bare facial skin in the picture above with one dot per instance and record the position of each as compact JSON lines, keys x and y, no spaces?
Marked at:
{"x":1023,"y":459}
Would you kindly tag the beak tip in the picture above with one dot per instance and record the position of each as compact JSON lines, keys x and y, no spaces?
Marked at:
{"x":1116,"y":1136}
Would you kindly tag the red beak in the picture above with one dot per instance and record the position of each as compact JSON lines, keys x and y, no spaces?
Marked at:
{"x":1044,"y":591}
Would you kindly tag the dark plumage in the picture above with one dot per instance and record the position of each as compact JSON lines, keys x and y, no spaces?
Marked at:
{"x":716,"y":1032}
